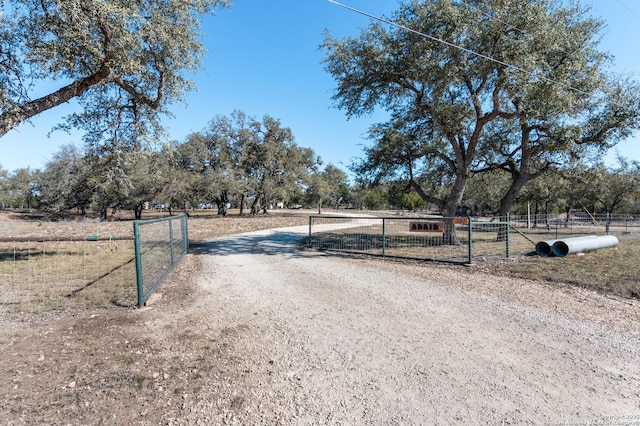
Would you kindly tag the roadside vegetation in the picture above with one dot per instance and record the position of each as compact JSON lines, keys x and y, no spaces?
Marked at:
{"x":610,"y":270}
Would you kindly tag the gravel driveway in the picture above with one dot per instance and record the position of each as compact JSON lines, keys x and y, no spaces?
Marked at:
{"x":319,"y":338}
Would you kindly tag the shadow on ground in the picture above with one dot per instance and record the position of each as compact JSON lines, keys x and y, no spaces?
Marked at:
{"x":273,"y":243}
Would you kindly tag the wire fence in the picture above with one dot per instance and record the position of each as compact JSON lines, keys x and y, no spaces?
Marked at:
{"x":77,"y":264}
{"x":457,"y":240}
{"x":47,"y":273}
{"x":71,"y":264}
{"x":576,"y":223}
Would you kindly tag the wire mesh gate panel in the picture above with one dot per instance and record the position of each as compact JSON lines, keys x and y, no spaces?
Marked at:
{"x":456,"y":240}
{"x":159,"y":245}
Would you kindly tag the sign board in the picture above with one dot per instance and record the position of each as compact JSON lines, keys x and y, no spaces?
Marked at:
{"x":460,"y":220}
{"x":426,"y":227}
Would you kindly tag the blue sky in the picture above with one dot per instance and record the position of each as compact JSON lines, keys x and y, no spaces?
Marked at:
{"x":263,"y":58}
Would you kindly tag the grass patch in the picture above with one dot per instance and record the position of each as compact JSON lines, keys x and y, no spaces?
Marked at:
{"x":127,"y":359}
{"x":46,"y":272}
{"x":55,"y":274}
{"x":609,"y":270}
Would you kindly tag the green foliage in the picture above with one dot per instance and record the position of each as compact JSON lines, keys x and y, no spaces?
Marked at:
{"x":609,"y":190}
{"x":369,"y":197}
{"x":526,"y":91}
{"x":239,"y":158}
{"x":483,"y":193}
{"x":182,"y":175}
{"x":123,"y":60}
{"x":64,"y":182}
{"x":21,"y":188}
{"x":399,"y":197}
{"x":328,"y":186}
{"x":235,"y":159}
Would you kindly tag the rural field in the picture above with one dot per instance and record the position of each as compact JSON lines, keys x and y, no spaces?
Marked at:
{"x":255,"y":329}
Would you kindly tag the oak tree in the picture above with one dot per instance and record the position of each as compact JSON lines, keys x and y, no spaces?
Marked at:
{"x":124,"y":61}
{"x":517,"y":85}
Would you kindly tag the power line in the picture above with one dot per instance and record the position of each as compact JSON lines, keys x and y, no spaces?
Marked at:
{"x":628,"y":8}
{"x":456,"y":46}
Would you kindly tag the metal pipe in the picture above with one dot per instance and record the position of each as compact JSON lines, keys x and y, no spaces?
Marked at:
{"x":543,"y":248}
{"x":567,"y":246}
{"x":53,"y":238}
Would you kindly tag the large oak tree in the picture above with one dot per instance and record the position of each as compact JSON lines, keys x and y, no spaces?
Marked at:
{"x":517,"y":85}
{"x":125,"y":61}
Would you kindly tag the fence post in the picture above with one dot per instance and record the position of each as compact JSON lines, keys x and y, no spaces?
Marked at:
{"x":508,"y":226}
{"x":310,"y":224}
{"x":185,"y":232}
{"x":383,"y":235}
{"x":173,"y":260}
{"x":470,"y":236}
{"x":136,"y":245}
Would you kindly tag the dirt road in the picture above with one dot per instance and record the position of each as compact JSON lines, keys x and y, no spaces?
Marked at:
{"x":253,"y":329}
{"x":328,"y":340}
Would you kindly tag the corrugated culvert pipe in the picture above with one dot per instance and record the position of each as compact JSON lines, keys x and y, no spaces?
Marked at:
{"x":567,"y":246}
{"x":543,"y":248}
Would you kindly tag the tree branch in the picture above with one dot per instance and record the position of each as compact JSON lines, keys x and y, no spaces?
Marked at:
{"x":10,"y":119}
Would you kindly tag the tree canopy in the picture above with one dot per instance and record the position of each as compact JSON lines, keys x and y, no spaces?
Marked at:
{"x":125,"y":61}
{"x":236,"y":160}
{"x":479,"y":85}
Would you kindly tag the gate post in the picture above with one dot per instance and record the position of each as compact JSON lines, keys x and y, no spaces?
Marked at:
{"x":383,"y":236}
{"x":136,"y":245}
{"x":470,"y":236}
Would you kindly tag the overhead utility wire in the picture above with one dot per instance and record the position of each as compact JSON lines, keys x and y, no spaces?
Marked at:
{"x":464,"y":49}
{"x":628,"y":8}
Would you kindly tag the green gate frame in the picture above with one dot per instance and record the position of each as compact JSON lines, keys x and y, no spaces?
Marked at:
{"x":174,"y":255}
{"x":506,"y":223}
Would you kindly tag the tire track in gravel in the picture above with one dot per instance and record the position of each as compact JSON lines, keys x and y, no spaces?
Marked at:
{"x":323,"y":339}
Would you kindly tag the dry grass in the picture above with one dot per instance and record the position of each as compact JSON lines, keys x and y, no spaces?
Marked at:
{"x":41,"y":276}
{"x":49,"y":275}
{"x":611,"y":270}
{"x":37,"y":276}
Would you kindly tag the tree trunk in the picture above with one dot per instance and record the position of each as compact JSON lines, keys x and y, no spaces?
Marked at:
{"x":255,"y":206}
{"x":448,"y":208}
{"x":449,"y":235}
{"x":506,"y":204}
{"x":222,"y":202}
